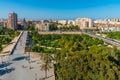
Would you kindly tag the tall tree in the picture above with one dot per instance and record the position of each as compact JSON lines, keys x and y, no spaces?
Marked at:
{"x":46,"y":63}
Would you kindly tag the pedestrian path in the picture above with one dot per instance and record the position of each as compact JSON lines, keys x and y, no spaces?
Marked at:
{"x":17,"y":67}
{"x":8,"y":49}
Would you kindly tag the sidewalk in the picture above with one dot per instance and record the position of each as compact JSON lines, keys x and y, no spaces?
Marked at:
{"x":36,"y":62}
{"x":8,"y":49}
{"x":23,"y":68}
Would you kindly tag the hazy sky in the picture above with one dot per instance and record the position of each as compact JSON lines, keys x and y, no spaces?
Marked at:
{"x":60,"y":9}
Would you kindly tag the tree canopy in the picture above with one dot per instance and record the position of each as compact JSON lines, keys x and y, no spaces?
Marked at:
{"x":79,"y":57}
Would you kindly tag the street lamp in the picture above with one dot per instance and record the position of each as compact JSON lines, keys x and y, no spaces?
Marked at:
{"x":29,"y":58}
{"x":1,"y":55}
{"x":27,"y":49}
{"x":35,"y":76}
{"x":2,"y":58}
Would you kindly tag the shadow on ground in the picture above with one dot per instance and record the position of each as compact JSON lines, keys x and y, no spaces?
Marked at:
{"x":20,"y":58}
{"x":12,"y":42}
{"x":5,"y":64}
{"x":6,"y":71}
{"x":46,"y":78}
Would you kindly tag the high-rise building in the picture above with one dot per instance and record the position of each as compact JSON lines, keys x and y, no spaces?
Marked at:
{"x":12,"y":21}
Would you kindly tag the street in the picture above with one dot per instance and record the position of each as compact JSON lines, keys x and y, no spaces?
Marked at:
{"x":106,"y":40}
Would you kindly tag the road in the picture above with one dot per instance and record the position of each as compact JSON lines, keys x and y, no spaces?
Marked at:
{"x":17,"y":67}
{"x":113,"y":42}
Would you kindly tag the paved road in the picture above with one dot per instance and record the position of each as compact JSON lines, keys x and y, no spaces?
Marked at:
{"x":106,"y":40}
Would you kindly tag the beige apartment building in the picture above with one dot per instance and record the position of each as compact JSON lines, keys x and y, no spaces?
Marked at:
{"x":84,"y":23}
{"x":42,"y":25}
{"x":3,"y":23}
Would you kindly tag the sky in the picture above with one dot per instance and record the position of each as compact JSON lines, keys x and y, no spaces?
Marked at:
{"x":60,"y":9}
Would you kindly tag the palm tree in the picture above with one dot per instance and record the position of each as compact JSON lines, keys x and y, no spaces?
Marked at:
{"x":46,"y":65}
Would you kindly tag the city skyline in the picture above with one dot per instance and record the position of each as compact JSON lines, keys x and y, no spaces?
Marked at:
{"x":71,"y":9}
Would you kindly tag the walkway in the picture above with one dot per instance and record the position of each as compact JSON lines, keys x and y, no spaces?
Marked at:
{"x":17,"y":67}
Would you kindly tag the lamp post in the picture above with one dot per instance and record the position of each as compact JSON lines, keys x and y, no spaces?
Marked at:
{"x":1,"y":57}
{"x":27,"y":49}
{"x":29,"y":58}
{"x":35,"y":76}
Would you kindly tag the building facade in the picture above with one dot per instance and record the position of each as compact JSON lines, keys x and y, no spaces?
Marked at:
{"x":3,"y":23}
{"x":71,"y":23}
{"x":12,"y":21}
{"x":84,"y":23}
{"x":108,"y":24}
{"x":42,"y":25}
{"x":63,"y":22}
{"x":24,"y":24}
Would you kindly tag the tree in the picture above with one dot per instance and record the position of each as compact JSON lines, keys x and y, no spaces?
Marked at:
{"x":1,"y":52}
{"x":0,"y":47}
{"x":53,"y":26}
{"x":80,"y":57}
{"x":16,"y":33}
{"x":46,"y":65}
{"x":86,"y":65}
{"x":30,"y":27}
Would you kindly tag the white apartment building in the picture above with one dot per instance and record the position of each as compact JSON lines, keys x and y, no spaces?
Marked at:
{"x":108,"y":29}
{"x":101,"y":21}
{"x":71,"y":22}
{"x":108,"y":21}
{"x":63,"y":22}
